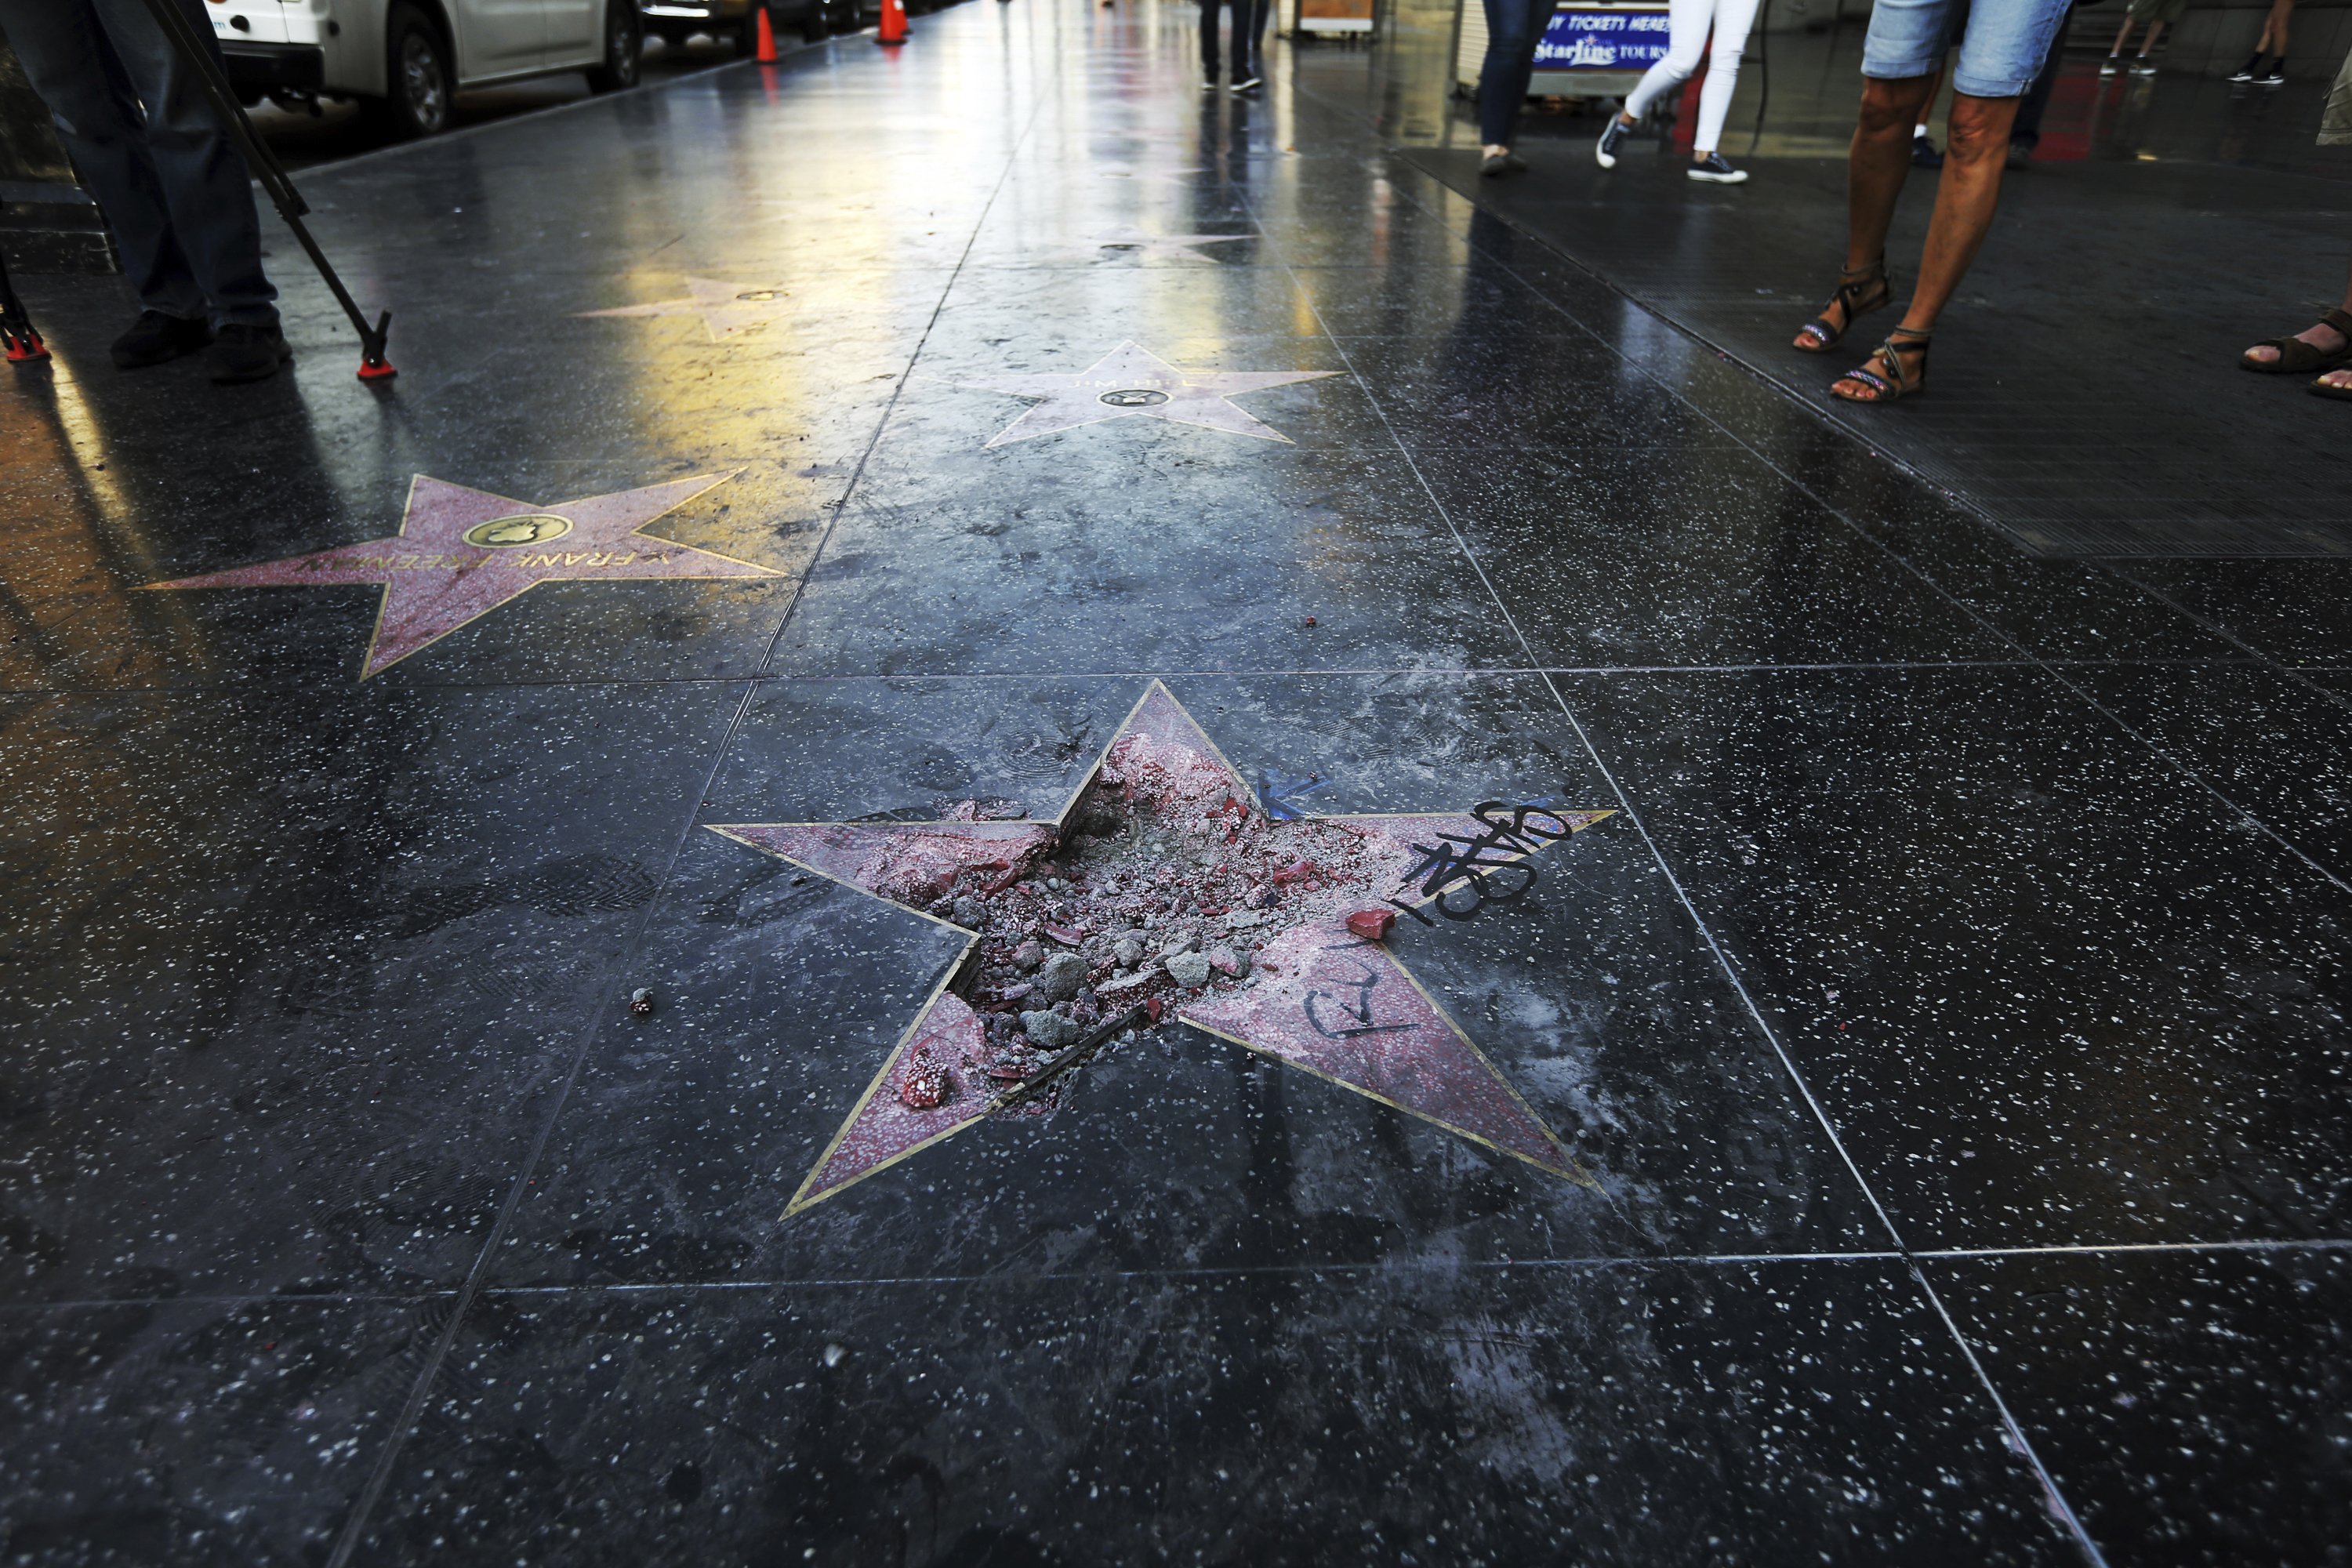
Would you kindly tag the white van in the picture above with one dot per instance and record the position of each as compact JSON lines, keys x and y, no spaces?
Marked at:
{"x":405,"y":59}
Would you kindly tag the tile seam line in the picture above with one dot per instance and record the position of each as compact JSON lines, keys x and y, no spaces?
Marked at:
{"x":2049,"y":667}
{"x":477,"y":1277}
{"x":2295,"y":676}
{"x":1482,"y":671}
{"x":2321,"y":1245}
{"x":2020,"y":1444}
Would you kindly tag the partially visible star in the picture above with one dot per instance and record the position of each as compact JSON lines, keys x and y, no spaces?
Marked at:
{"x":1320,"y":996}
{"x":1141,"y":246}
{"x":726,"y":308}
{"x":1133,"y":381}
{"x":460,"y":554}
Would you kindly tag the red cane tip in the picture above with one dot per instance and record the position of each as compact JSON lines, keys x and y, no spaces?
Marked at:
{"x":376,"y":370}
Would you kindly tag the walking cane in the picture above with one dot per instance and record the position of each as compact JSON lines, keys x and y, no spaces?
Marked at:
{"x":199,"y":58}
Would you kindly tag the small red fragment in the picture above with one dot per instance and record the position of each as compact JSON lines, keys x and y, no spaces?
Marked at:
{"x":1310,"y":620}
{"x":926,"y":1087}
{"x":1066,"y":934}
{"x":1155,"y":1005}
{"x":1372,"y":925}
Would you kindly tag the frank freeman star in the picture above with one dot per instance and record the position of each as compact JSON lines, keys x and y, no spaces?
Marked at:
{"x":460,"y":554}
{"x":1133,"y":381}
{"x":1287,"y":940}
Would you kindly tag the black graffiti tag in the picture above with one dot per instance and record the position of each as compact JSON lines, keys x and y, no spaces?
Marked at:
{"x":1350,"y":1020}
{"x":1460,"y":875}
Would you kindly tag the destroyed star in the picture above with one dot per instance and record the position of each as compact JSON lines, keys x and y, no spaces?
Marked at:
{"x":1163,"y":893}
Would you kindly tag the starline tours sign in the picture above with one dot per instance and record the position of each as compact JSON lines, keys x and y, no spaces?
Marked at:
{"x":1603,"y":37}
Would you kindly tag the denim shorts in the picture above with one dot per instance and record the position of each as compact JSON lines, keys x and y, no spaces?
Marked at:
{"x":2002,"y":46}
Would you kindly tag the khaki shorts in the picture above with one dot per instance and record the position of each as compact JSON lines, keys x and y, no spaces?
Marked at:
{"x":2335,"y":119}
{"x":2157,"y":10}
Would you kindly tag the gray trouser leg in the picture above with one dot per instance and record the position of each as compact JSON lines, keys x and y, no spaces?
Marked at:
{"x":171,"y":186}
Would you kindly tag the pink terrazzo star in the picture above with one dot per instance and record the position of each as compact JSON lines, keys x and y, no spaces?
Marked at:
{"x":1317,"y":996}
{"x":460,"y":554}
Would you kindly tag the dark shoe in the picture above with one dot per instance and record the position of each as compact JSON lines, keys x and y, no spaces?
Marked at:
{"x":2020,"y":153}
{"x":1249,"y":83}
{"x":1716,"y":170}
{"x":1501,"y":164}
{"x":2143,"y":66}
{"x":2251,"y":69}
{"x":156,"y":339}
{"x":1925,"y":153}
{"x":2114,"y":63}
{"x":1612,"y":136}
{"x":244,"y":352}
{"x":2276,"y":76}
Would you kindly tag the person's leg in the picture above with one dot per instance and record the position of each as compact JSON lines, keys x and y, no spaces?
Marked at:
{"x":1974,"y":154}
{"x":204,"y":182}
{"x":1732,"y":20}
{"x":1209,"y":60}
{"x":1514,"y":27}
{"x":1686,"y":24}
{"x":2148,"y":43}
{"x":1258,"y":12}
{"x":1877,"y":161}
{"x":2004,"y":49}
{"x":69,"y":63}
{"x":2123,"y":37}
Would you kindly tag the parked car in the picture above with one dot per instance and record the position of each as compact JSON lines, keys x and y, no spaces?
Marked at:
{"x":732,"y":20}
{"x":405,"y":60}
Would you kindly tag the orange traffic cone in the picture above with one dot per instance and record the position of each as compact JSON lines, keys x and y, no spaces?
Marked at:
{"x":767,"y":51}
{"x":894,"y":24}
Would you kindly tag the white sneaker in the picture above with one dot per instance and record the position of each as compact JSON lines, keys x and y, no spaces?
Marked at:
{"x":1716,"y":170}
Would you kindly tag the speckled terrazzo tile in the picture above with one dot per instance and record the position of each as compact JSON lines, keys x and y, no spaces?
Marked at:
{"x":2291,"y":611}
{"x":1165,"y":548}
{"x":1682,"y":555}
{"x":2049,"y":991}
{"x":1732,"y":1412}
{"x":289,"y":979}
{"x":215,"y":1434}
{"x":2266,"y":738}
{"x":2196,"y":1407}
{"x":1591,"y":996}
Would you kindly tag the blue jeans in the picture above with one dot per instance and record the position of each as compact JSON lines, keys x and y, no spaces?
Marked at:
{"x":1514,"y":29}
{"x":1249,"y":38}
{"x":171,"y":186}
{"x":2002,"y":45}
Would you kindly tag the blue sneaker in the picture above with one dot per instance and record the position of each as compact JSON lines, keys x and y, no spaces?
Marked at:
{"x":1716,"y":170}
{"x":1612,"y":138}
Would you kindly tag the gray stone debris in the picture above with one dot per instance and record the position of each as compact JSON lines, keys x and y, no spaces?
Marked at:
{"x":1190,"y":970}
{"x":1059,"y":977}
{"x":1050,"y":1031}
{"x":1129,"y":952}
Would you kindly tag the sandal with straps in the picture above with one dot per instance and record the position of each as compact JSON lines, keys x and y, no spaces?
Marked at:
{"x":1820,"y":334}
{"x":1900,"y":380}
{"x":2297,"y":357}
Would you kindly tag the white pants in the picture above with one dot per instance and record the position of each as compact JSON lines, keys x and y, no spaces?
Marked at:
{"x":1688,"y":21}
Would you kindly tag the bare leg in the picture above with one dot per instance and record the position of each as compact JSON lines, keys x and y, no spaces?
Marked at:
{"x":2123,"y":37}
{"x":1965,"y":200}
{"x":1879,"y":160}
{"x":2147,"y":45}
